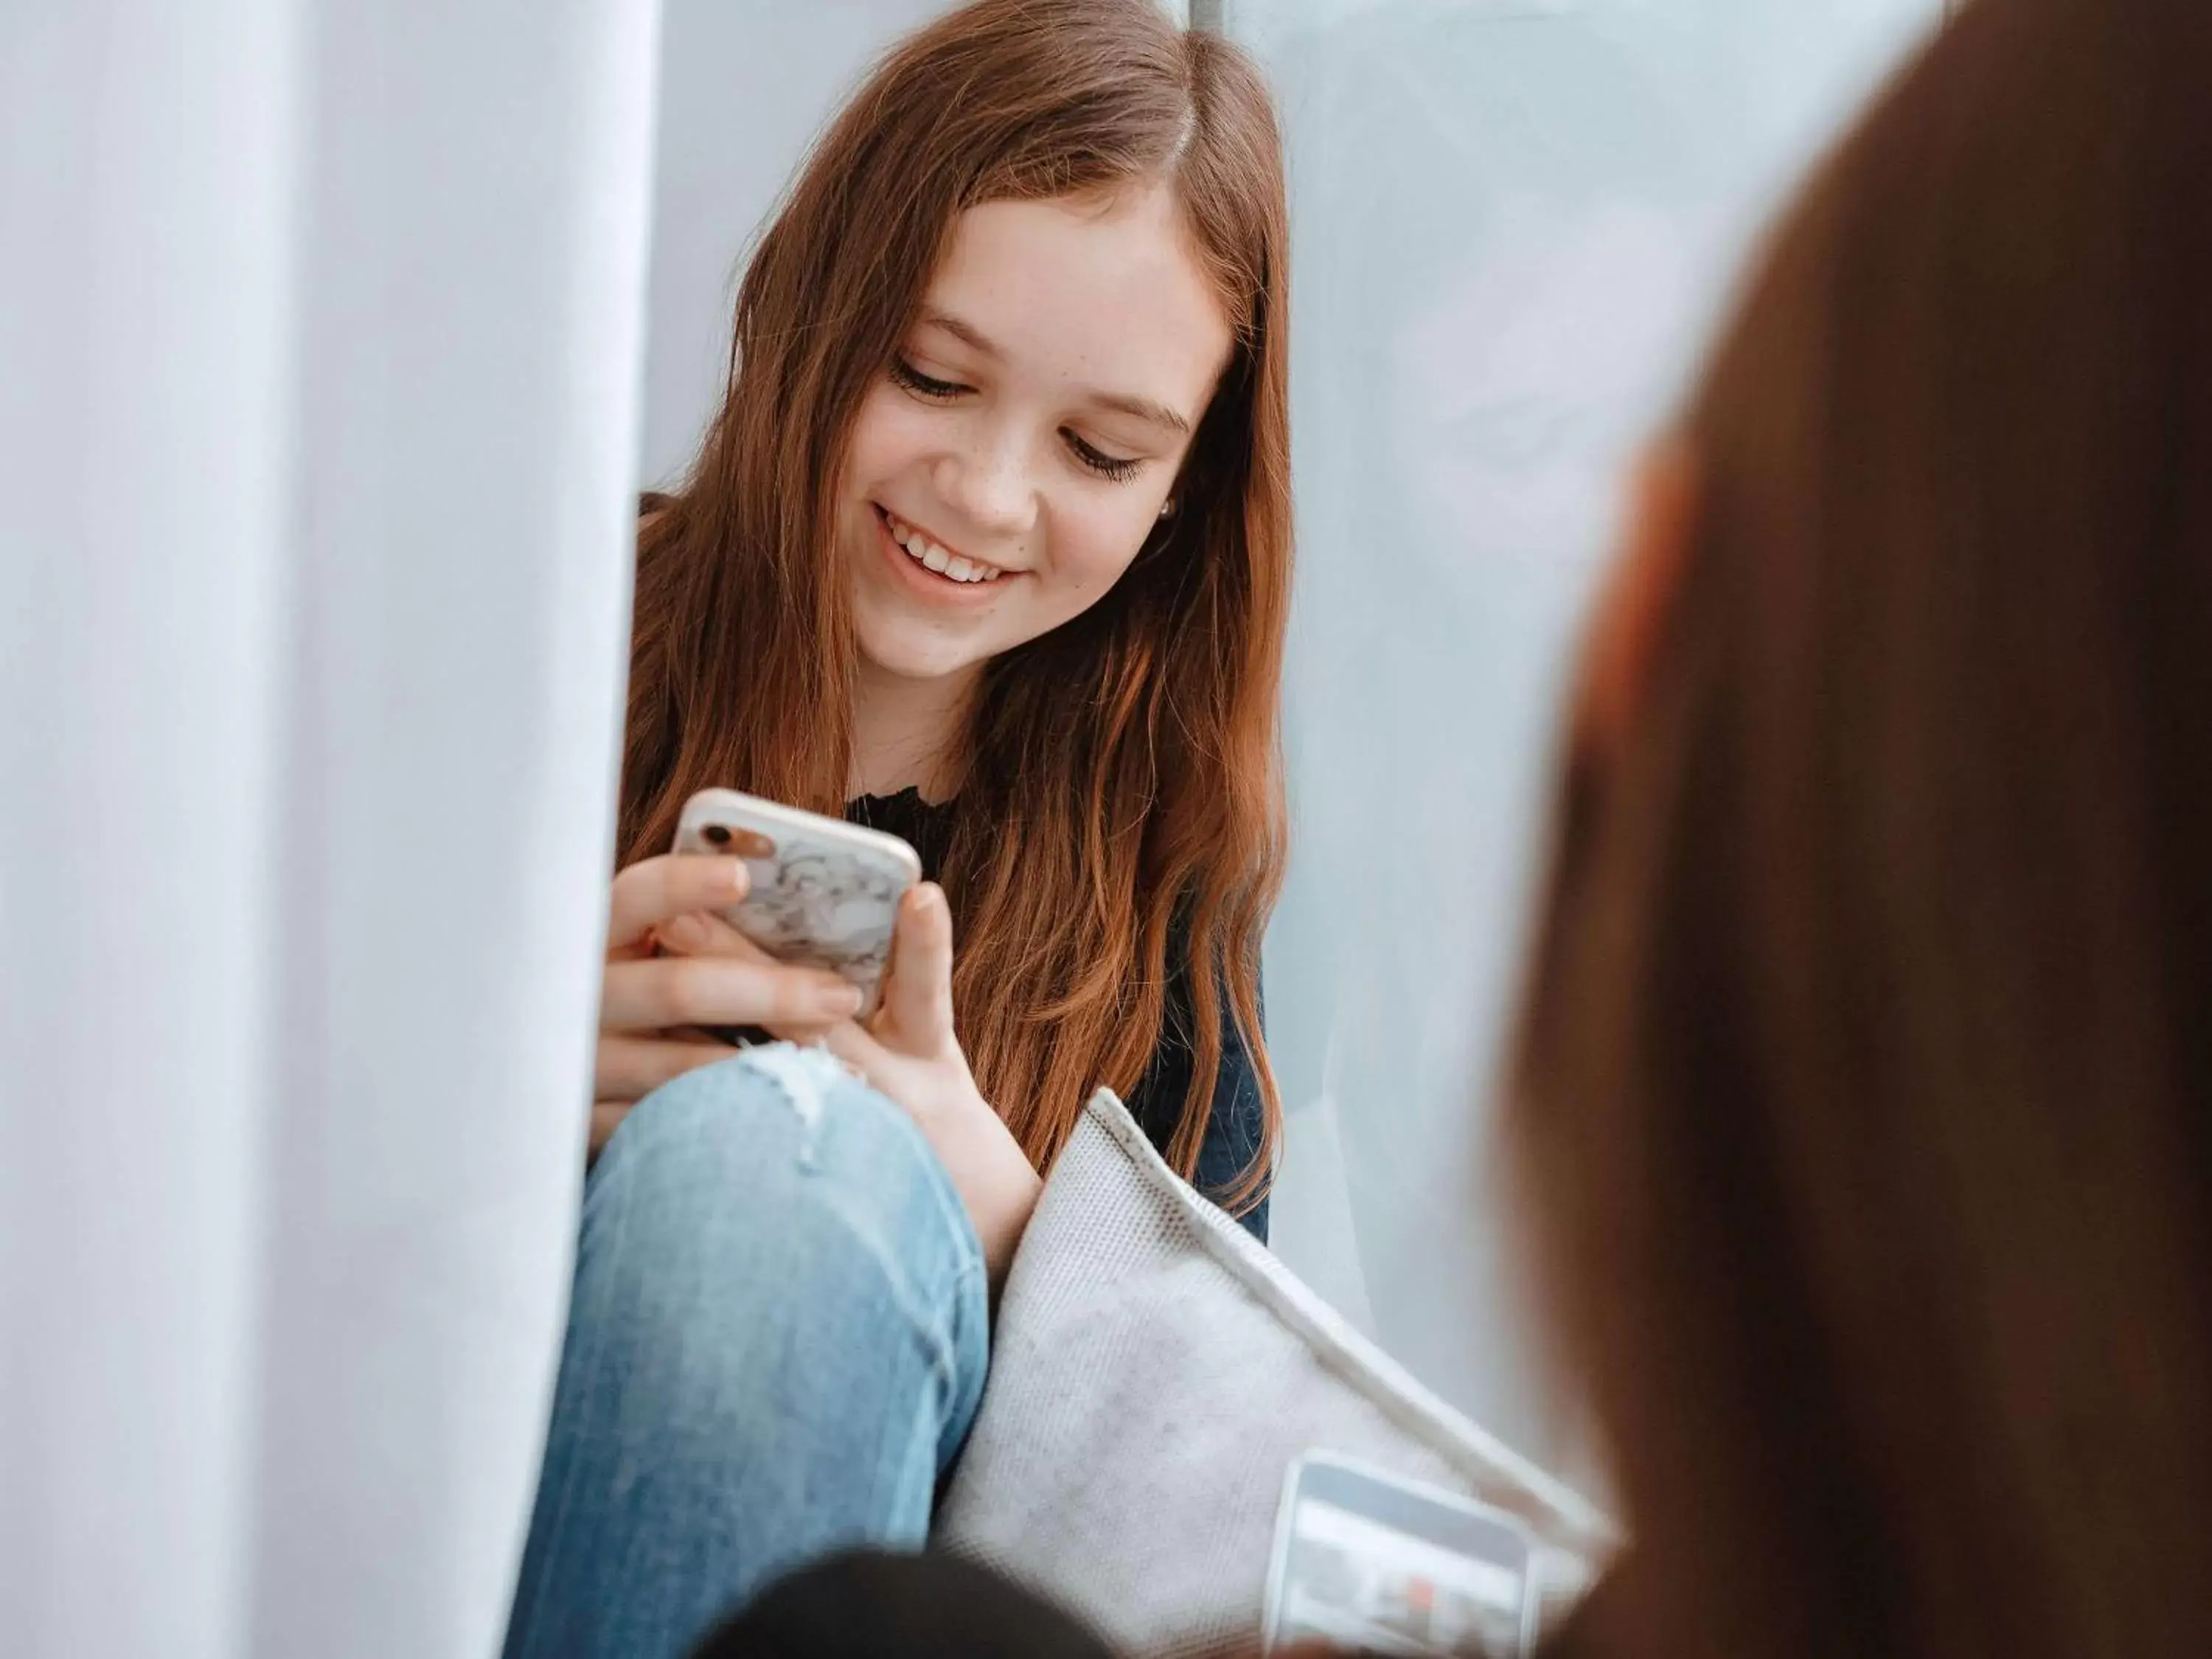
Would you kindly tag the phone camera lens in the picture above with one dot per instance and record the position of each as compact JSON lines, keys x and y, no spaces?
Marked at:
{"x":718,"y":833}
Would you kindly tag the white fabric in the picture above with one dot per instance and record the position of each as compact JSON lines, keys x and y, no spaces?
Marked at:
{"x":319,"y":348}
{"x":1155,"y":1372}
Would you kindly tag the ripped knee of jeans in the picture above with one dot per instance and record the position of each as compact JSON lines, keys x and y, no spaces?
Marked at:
{"x":803,"y":1077}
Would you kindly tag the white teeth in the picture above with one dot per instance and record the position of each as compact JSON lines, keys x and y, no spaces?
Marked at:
{"x":924,"y":551}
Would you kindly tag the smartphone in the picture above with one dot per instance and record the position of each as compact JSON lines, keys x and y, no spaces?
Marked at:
{"x":1371,"y":1563}
{"x":824,"y":893}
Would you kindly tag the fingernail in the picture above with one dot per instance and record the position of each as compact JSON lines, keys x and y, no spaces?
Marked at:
{"x":740,"y":877}
{"x":837,"y":1000}
{"x":684,"y":933}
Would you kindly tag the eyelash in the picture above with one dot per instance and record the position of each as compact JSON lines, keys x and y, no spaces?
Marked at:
{"x":1114,"y":468}
{"x":906,"y":374}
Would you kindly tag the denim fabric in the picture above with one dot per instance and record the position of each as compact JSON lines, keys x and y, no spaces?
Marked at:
{"x":777,"y":1341}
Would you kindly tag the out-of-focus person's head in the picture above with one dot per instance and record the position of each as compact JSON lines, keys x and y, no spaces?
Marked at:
{"x":1864,"y":1089}
{"x":870,"y":1604}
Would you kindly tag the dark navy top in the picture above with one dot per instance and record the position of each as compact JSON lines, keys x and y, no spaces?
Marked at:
{"x":1232,"y":1133}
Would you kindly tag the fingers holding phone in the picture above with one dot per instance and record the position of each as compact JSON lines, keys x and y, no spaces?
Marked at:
{"x":797,"y":904}
{"x":652,"y":1005}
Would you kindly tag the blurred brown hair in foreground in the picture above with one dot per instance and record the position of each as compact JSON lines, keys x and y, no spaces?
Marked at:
{"x":1864,"y":1094}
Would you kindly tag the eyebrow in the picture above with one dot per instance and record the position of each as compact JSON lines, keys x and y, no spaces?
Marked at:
{"x":1143,"y":409}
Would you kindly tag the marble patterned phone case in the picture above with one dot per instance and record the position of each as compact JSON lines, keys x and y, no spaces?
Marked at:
{"x":824,"y":893}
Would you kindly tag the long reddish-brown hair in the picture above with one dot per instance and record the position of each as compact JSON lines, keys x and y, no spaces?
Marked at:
{"x":1865,"y":1099}
{"x":1123,"y":772}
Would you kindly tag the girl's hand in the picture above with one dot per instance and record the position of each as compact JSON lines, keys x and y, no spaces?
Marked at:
{"x":652,"y":1005}
{"x":908,"y":1050}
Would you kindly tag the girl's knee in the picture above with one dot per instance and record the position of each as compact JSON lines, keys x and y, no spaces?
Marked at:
{"x":775,"y":1152}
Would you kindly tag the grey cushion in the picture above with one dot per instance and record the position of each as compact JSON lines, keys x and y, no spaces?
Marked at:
{"x":1155,"y":1374}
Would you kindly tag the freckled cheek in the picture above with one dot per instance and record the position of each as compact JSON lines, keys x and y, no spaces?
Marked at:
{"x":892,"y":433}
{"x":1090,"y":558}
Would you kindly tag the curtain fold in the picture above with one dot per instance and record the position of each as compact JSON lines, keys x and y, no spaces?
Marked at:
{"x":319,"y":357}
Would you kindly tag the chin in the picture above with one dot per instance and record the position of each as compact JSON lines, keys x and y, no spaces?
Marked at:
{"x":903,"y":653}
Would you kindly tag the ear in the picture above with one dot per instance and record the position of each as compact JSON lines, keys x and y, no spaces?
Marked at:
{"x":1638,"y":593}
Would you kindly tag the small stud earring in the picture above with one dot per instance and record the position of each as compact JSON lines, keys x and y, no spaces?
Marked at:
{"x":1167,"y":507}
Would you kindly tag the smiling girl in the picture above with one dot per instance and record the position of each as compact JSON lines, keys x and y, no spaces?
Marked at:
{"x":989,"y":546}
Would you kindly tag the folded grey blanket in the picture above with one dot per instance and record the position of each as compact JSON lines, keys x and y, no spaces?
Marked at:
{"x":1156,"y":1373}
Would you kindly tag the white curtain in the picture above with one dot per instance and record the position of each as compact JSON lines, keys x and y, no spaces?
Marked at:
{"x":320,"y":353}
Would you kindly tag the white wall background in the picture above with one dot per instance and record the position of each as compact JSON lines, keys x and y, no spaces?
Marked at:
{"x":1513,"y":221}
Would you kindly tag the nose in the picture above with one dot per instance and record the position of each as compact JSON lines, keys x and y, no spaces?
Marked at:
{"x":987,"y":483}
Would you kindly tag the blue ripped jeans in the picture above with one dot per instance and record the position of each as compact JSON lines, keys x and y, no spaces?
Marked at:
{"x":777,"y":1341}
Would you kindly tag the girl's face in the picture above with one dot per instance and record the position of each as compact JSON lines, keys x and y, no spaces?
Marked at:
{"x":1017,"y":450}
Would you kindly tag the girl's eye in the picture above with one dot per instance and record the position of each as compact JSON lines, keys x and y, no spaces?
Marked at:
{"x":923,"y":385}
{"x":1116,"y":467}
{"x":1095,"y":459}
